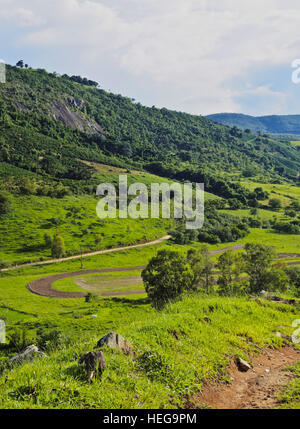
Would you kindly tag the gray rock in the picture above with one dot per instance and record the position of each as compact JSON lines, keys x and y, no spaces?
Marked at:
{"x":28,"y":354}
{"x":242,"y":365}
{"x":117,"y":342}
{"x":94,"y":363}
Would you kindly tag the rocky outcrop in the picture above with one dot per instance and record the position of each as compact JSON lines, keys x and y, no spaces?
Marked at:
{"x":30,"y":353}
{"x":117,"y":342}
{"x":242,"y":365}
{"x":69,"y":112}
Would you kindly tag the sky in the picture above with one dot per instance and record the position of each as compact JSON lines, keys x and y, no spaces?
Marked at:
{"x":197,"y":56}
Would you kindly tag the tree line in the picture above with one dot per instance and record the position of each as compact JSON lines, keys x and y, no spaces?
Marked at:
{"x":171,"y":274}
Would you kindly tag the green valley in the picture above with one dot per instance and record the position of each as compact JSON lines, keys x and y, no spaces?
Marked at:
{"x":192,"y":304}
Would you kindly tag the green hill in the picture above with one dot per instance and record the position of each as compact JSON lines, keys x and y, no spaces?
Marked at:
{"x":274,"y":124}
{"x":48,"y":123}
{"x":177,"y":352}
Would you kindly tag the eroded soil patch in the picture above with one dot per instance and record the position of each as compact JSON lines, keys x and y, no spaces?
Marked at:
{"x":257,"y":388}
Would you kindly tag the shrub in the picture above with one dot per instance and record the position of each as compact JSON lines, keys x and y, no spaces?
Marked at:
{"x":275,"y":204}
{"x":51,"y":340}
{"x":90,"y":297}
{"x":5,"y":203}
{"x":19,"y":339}
{"x":47,"y":239}
{"x":58,"y":247}
{"x":155,"y":366}
{"x":293,"y":274}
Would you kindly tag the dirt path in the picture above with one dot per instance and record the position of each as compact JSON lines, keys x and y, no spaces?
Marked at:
{"x":149,"y":243}
{"x":84,"y":255}
{"x":43,"y":286}
{"x":257,"y":388}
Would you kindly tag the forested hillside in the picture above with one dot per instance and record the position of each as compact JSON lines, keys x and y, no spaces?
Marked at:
{"x":50,"y":123}
{"x":274,"y":124}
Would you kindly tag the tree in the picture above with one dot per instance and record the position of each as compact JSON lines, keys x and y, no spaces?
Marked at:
{"x":27,"y":186}
{"x":202,"y":266}
{"x":257,"y":259}
{"x":276,"y":279}
{"x":275,"y":203}
{"x":58,"y":246}
{"x":167,"y":277}
{"x":293,"y":274}
{"x":295,"y":205}
{"x":98,"y":239}
{"x":291,"y":213}
{"x":230,"y":269}
{"x":20,"y":63}
{"x":47,"y":239}
{"x":260,"y":194}
{"x":235,"y":204}
{"x":5,"y":203}
{"x":254,"y":211}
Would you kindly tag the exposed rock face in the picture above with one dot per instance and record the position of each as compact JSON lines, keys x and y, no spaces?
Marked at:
{"x":62,"y":111}
{"x":94,"y":362}
{"x":28,"y":354}
{"x":242,"y":365}
{"x":117,"y":342}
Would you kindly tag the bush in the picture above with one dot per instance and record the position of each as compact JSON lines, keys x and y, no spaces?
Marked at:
{"x":156,"y":367}
{"x":4,"y":264}
{"x":51,"y":340}
{"x":19,"y":339}
{"x":5,"y":203}
{"x":58,"y":247}
{"x":90,"y":297}
{"x":47,"y":239}
{"x":292,"y":227}
{"x":293,"y":274}
{"x":275,"y":204}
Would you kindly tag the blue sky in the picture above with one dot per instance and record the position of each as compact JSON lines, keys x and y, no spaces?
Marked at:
{"x":198,"y":56}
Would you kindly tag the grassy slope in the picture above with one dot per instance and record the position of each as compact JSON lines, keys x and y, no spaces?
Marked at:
{"x":285,"y":192}
{"x":176,"y":369}
{"x":22,"y":231}
{"x":125,"y":384}
{"x":290,"y":395}
{"x":262,"y":214}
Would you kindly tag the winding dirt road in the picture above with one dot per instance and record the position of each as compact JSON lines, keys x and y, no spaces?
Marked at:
{"x":43,"y":286}
{"x":84,"y":255}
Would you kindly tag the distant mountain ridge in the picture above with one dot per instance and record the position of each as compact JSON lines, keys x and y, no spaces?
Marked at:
{"x":274,"y":124}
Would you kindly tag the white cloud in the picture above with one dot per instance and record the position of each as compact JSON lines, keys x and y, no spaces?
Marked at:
{"x":199,"y":47}
{"x":14,"y":12}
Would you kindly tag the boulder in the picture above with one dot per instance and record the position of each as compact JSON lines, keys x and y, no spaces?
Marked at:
{"x":242,"y":365}
{"x":117,"y":342}
{"x":94,"y":363}
{"x":27,"y":354}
